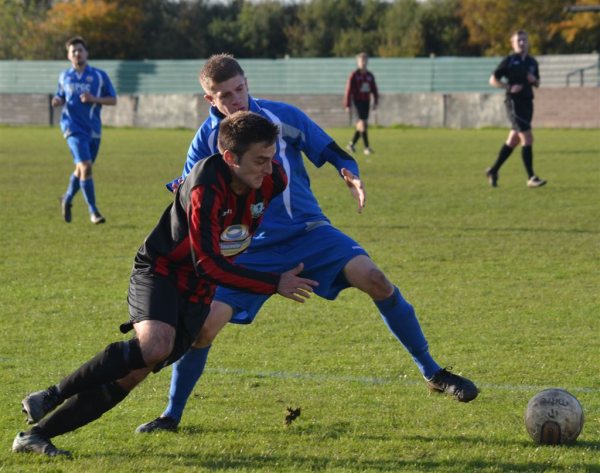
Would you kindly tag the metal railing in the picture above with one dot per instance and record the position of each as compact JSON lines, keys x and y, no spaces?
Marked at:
{"x":581,"y":73}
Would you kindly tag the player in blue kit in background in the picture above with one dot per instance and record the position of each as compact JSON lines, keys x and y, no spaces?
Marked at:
{"x":294,"y":229}
{"x":82,"y":91}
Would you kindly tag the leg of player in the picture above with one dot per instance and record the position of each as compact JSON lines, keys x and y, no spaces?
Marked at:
{"x":94,"y":388}
{"x":399,"y":316}
{"x":67,"y":199}
{"x":188,"y":370}
{"x":352,"y":144}
{"x":505,"y":151}
{"x":89,"y":193}
{"x":527,"y":155}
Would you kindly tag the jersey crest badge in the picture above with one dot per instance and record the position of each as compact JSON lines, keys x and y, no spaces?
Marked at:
{"x":257,"y":209}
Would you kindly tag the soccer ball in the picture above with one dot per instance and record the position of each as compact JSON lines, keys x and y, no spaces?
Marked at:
{"x":553,"y":417}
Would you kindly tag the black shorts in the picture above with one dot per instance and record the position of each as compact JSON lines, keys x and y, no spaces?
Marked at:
{"x":153,"y":297}
{"x":520,"y":113}
{"x":362,"y":109}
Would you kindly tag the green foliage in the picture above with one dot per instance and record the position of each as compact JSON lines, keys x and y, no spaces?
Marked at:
{"x":402,"y":33}
{"x":443,"y":31}
{"x":166,"y":29}
{"x":550,"y":28}
{"x":504,"y":281}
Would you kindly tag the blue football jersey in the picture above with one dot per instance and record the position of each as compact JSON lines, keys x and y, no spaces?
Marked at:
{"x":78,"y":117}
{"x":296,"y":209}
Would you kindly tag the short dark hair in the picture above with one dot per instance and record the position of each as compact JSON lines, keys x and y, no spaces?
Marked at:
{"x":241,"y":129}
{"x":518,"y":32}
{"x":219,"y":68}
{"x":75,"y":40}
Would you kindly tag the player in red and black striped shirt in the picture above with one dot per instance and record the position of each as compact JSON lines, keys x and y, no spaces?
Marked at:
{"x":359,"y":89}
{"x":176,"y":270}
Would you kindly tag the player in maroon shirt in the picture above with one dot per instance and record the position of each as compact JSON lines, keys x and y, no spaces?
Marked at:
{"x":176,"y":270}
{"x":359,"y":88}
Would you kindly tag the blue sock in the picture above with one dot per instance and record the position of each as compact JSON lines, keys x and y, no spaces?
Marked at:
{"x":400,"y":318}
{"x":87,"y":187}
{"x":186,"y":373}
{"x":73,"y":188}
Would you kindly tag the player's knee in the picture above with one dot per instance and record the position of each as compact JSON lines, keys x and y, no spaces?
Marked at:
{"x":205,"y":337}
{"x":360,"y":126}
{"x":85,"y":169}
{"x":220,"y":314}
{"x":512,"y":141}
{"x":156,"y":348}
{"x":380,"y":286}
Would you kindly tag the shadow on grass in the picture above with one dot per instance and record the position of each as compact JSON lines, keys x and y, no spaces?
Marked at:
{"x":578,"y":445}
{"x":350,"y":462}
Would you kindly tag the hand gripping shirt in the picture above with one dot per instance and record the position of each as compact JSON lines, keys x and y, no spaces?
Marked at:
{"x":78,"y":117}
{"x":204,"y":228}
{"x":296,"y":210}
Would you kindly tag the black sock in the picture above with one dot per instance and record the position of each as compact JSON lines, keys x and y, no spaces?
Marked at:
{"x":503,"y":155}
{"x":527,"y":155}
{"x":112,"y":363}
{"x":355,"y":137}
{"x":365,"y":138}
{"x":80,"y":410}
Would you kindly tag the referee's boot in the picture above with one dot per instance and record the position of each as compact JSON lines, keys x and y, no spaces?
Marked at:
{"x":492,"y":177}
{"x":158,"y":424}
{"x":459,"y":387}
{"x":535,"y":181}
{"x":28,"y":442}
{"x":36,"y":405}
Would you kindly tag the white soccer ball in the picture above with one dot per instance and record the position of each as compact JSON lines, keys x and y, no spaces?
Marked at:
{"x":553,"y":417}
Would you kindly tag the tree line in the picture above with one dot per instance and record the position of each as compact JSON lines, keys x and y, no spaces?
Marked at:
{"x":193,"y":29}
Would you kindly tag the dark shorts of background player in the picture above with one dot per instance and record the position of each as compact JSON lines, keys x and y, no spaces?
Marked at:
{"x":362,"y":109}
{"x":520,"y":113}
{"x":153,"y":297}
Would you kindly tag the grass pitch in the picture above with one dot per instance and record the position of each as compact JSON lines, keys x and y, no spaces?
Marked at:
{"x":505,"y":283}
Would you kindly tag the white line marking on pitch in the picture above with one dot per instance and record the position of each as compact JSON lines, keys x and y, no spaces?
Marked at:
{"x":402,"y":379}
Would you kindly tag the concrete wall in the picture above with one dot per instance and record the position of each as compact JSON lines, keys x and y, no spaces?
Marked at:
{"x":554,"y":107}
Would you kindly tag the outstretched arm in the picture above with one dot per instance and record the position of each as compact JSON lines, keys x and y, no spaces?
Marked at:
{"x":356,"y":188}
{"x":348,"y":169}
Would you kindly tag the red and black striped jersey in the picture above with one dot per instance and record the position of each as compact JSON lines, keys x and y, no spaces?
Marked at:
{"x":359,"y":88}
{"x":199,"y":234}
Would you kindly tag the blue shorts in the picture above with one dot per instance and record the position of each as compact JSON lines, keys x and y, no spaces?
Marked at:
{"x":83,"y":148}
{"x":325,"y":251}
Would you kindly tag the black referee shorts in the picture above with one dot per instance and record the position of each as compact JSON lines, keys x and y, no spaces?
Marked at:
{"x":520,"y":113}
{"x":362,"y":109}
{"x":153,"y":297}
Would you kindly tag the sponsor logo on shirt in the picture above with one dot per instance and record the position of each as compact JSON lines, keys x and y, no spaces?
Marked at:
{"x":235,"y":239}
{"x":76,"y":88}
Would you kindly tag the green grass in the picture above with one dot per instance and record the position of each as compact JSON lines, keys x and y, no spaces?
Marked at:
{"x":505,"y":283}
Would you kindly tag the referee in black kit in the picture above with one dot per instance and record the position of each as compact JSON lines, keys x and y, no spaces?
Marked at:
{"x":522,"y":74}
